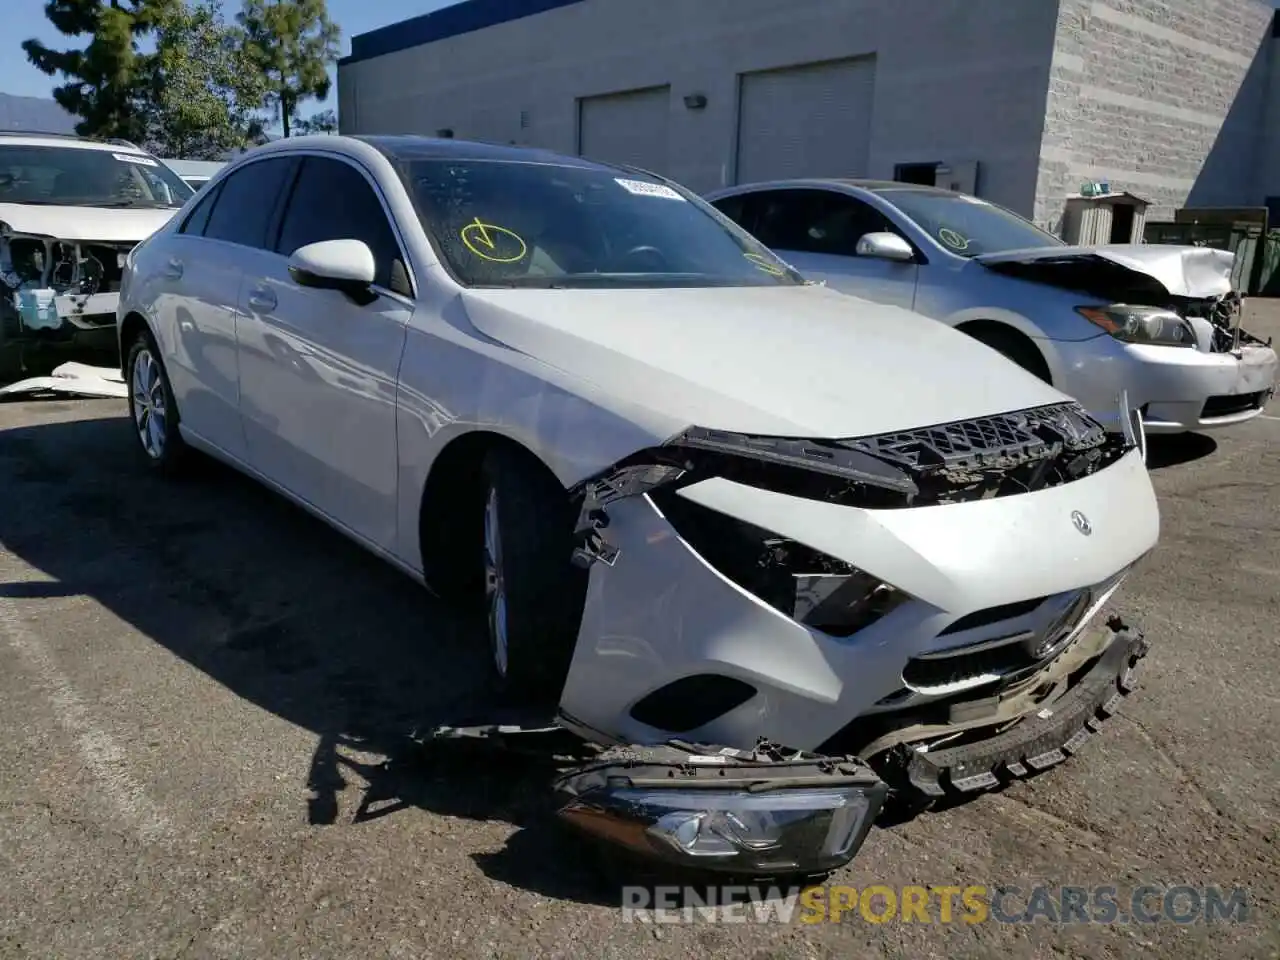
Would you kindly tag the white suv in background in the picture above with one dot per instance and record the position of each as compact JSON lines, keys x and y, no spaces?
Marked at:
{"x":71,"y":209}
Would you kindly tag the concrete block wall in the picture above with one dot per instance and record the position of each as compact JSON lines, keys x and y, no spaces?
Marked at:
{"x":956,"y":80}
{"x":1163,"y":98}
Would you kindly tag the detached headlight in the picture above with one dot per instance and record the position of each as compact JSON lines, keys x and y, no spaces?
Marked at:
{"x":727,"y":810}
{"x":1141,"y":324}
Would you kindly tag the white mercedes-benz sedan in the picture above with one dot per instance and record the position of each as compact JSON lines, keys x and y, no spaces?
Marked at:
{"x":703,"y":500}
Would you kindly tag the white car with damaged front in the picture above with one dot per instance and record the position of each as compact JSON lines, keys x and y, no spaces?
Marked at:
{"x":71,"y":209}
{"x":1158,"y":324}
{"x":701,"y":500}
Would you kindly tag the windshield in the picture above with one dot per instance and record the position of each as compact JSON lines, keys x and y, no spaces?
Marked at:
{"x":967,"y":226}
{"x":503,"y":223}
{"x":81,"y":177}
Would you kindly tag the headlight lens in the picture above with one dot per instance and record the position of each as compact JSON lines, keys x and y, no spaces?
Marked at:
{"x":711,"y":809}
{"x":1141,"y":324}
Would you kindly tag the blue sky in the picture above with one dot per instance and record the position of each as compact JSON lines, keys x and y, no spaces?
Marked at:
{"x":25,"y":18}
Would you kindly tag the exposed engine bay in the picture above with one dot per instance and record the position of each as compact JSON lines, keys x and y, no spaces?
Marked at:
{"x":50,"y":284}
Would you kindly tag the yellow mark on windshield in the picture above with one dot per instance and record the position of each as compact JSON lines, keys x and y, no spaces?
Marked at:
{"x":952,"y":239}
{"x":488,"y":241}
{"x":762,"y":262}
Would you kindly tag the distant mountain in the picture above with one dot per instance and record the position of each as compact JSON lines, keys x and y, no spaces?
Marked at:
{"x":36,"y":114}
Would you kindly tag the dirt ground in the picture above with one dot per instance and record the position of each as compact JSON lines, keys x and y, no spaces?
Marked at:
{"x":199,"y":685}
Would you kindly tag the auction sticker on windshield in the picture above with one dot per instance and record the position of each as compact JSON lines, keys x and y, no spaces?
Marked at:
{"x":133,"y":158}
{"x":643,"y":189}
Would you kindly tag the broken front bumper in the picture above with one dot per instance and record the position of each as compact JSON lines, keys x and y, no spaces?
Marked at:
{"x":670,"y":646}
{"x":1045,"y":736}
{"x":36,"y":309}
{"x":1176,"y":388}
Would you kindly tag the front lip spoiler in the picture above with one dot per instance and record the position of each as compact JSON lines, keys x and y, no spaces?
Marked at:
{"x":1035,"y":744}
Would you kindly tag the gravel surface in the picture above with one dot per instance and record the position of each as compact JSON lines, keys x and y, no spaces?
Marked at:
{"x":207,"y":697}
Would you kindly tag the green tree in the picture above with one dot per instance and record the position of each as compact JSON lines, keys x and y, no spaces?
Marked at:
{"x":293,"y":43}
{"x":326,"y":121}
{"x":203,"y":87}
{"x":103,"y":78}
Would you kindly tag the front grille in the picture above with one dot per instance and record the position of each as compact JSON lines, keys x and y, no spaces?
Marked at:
{"x":989,"y":441}
{"x":1035,"y":637}
{"x":992,"y":615}
{"x":1225,"y":406}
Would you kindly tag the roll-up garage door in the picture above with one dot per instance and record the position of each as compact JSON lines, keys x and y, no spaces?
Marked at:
{"x":807,"y":121}
{"x":626,"y":127}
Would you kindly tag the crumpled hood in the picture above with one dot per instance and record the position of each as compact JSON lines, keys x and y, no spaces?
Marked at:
{"x":93,"y":224}
{"x":781,"y":361}
{"x":1183,"y":271}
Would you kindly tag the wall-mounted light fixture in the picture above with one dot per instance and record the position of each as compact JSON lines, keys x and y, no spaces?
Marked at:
{"x":696,"y":101}
{"x":445,"y":132}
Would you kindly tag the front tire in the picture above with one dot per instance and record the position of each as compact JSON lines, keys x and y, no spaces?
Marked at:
{"x":533,"y":593}
{"x":152,"y":408}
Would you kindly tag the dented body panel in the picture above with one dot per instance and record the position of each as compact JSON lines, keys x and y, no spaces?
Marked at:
{"x":1192,"y":272}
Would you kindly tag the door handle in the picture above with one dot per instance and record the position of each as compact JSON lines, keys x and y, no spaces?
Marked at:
{"x":173,"y":270}
{"x":262,"y":299}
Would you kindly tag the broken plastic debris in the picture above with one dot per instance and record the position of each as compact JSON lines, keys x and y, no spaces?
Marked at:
{"x":73,"y":379}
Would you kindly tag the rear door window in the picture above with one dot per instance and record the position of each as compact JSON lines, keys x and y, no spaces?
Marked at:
{"x":198,"y":219}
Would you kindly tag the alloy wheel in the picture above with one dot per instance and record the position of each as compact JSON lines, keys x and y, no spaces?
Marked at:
{"x":150,"y":414}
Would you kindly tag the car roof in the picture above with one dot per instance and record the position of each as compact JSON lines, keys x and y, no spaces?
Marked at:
{"x":23,"y":138}
{"x":438,"y":148}
{"x":834,"y":183}
{"x":409,"y":147}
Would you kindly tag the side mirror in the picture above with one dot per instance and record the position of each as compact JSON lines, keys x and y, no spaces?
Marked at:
{"x":343,"y":265}
{"x":885,"y":246}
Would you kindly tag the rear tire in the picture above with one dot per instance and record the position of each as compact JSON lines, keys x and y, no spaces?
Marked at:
{"x":533,"y":594}
{"x":1015,"y":346}
{"x":153,"y":411}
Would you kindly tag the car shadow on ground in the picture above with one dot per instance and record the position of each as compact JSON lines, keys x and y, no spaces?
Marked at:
{"x":1174,"y":450}
{"x":296,"y":619}
{"x":291,"y":616}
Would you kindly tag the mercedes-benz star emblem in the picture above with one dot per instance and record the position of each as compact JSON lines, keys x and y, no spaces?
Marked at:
{"x":1081,"y":522}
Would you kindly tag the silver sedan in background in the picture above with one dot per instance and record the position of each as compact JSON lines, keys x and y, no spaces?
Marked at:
{"x":1160,"y":322}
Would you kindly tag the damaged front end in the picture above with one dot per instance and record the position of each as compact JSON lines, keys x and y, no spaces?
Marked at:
{"x":1154,"y":296}
{"x":1193,"y":283}
{"x":950,"y":463}
{"x":708,"y":639}
{"x":50,"y":288}
{"x":722,"y":630}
